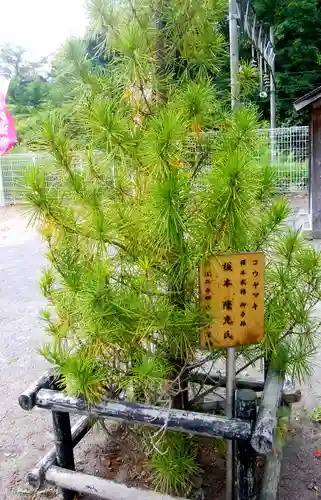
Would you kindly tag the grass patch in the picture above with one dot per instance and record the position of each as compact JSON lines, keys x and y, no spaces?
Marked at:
{"x":174,"y":465}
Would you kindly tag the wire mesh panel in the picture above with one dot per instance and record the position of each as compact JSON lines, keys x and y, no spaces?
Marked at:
{"x":12,"y":170}
{"x":288,"y":148}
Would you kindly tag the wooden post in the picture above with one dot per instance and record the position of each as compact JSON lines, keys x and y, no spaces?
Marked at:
{"x":64,"y":446}
{"x":312,"y":102}
{"x":315,"y":145}
{"x":27,"y":399}
{"x":36,"y":476}
{"x":151,"y":416}
{"x":262,"y":438}
{"x":271,"y":479}
{"x":97,"y":487}
{"x":246,"y":487}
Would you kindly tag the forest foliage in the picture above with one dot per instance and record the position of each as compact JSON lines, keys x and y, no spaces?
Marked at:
{"x":297,"y":27}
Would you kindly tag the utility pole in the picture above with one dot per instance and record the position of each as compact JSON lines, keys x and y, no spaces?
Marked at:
{"x":272,"y":102}
{"x":234,"y":53}
{"x":230,"y":358}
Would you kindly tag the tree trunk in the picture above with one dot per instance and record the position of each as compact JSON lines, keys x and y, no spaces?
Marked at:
{"x":180,"y":398}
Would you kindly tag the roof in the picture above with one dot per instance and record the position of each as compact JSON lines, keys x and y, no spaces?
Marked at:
{"x":308,"y":99}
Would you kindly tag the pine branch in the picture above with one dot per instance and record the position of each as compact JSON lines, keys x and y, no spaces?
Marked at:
{"x":207,"y":377}
{"x":198,"y":166}
{"x":142,"y":90}
{"x":79,"y":232}
{"x":134,"y":11}
{"x":132,"y":316}
{"x":265,"y":238}
{"x":223,"y":380}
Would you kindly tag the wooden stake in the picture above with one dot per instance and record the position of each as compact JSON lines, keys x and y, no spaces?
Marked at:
{"x":64,"y":446}
{"x":36,"y":476}
{"x":245,"y":455}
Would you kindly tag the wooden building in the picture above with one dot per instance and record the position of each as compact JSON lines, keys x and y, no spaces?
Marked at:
{"x":312,"y":103}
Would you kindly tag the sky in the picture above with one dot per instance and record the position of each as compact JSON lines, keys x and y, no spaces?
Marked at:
{"x":41,"y":26}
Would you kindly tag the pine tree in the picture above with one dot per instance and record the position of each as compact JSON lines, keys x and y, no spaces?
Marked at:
{"x":151,"y":174}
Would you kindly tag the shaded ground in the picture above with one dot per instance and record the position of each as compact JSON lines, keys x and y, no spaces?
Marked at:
{"x":300,"y":217}
{"x":25,"y":437}
{"x":301,"y":478}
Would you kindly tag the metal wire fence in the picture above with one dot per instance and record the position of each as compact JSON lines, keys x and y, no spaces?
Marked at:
{"x":288,"y":147}
{"x":12,"y":171}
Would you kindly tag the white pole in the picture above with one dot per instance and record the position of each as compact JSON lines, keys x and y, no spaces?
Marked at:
{"x":230,"y":360}
{"x":234,"y":53}
{"x":272,"y":103}
{"x":230,"y":407}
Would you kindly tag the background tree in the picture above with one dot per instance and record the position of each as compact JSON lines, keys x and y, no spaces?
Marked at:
{"x":141,"y":191}
{"x":13,"y":63}
{"x":297,"y":26}
{"x":29,"y":90}
{"x":36,"y":87}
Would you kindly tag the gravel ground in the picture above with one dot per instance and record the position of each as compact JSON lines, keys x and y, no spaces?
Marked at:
{"x":20,"y":302}
{"x":26,"y":436}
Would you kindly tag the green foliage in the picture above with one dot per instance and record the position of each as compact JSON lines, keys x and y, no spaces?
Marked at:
{"x":316,"y":415}
{"x":29,"y":89}
{"x":248,"y":78}
{"x":287,"y":319}
{"x":35,"y":88}
{"x":282,"y":428}
{"x":174,"y":465}
{"x":297,"y":27}
{"x":13,"y":63}
{"x":151,"y":174}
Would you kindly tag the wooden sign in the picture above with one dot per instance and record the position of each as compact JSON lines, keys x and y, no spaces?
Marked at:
{"x":232,"y":294}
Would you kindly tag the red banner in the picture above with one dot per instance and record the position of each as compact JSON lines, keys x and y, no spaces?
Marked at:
{"x":8,"y":137}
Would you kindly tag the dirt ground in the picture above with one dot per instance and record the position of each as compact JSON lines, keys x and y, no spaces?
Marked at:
{"x":25,"y":437}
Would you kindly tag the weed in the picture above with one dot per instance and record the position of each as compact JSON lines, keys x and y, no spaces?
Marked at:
{"x":316,"y":415}
{"x":281,"y":431}
{"x":174,"y":465}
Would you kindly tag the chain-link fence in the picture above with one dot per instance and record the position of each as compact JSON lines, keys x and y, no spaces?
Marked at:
{"x":12,"y":170}
{"x":288,"y":147}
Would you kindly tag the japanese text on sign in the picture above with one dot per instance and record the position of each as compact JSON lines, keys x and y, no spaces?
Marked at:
{"x":232,"y":295}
